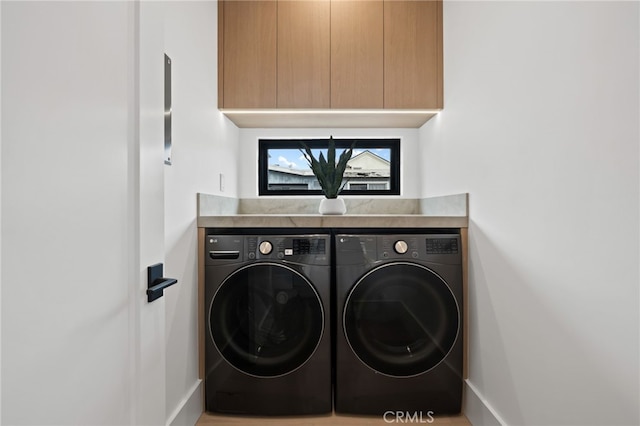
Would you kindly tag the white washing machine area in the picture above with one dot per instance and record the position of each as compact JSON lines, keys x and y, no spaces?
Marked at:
{"x":352,"y":321}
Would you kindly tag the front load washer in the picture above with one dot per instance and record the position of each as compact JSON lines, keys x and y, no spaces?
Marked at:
{"x":268,"y":343}
{"x":399,"y":324}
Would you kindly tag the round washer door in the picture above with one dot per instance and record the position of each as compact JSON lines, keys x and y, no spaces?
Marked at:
{"x":266,"y":320}
{"x":401,"y":319}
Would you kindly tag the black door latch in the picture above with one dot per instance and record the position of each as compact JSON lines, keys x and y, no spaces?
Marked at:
{"x":156,"y":283}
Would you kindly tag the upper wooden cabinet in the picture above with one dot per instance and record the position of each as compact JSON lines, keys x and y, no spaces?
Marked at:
{"x":413,"y":54}
{"x":330,"y":54}
{"x":357,"y":54}
{"x":247,"y":54}
{"x":303,"y":58}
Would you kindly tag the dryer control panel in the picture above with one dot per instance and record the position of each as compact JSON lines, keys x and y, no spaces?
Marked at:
{"x":399,"y":246}
{"x":364,"y":249}
{"x":442,"y":245}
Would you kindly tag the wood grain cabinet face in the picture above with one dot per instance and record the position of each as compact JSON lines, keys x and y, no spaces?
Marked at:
{"x":413,"y":54}
{"x":357,"y":54}
{"x":248,"y":57}
{"x":338,"y":54}
{"x":304,"y":62}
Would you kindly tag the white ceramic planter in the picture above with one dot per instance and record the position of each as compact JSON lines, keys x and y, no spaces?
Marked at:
{"x":332,"y":206}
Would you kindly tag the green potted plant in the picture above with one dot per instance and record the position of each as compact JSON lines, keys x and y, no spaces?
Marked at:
{"x":330,"y":175}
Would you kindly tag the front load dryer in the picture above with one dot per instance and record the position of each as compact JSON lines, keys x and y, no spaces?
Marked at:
{"x":399,"y":324}
{"x":268,"y":343}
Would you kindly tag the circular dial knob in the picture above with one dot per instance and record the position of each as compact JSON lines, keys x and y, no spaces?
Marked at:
{"x":400,"y":247}
{"x":265,"y":247}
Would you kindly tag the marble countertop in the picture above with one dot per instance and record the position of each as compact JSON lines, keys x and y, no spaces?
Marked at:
{"x":450,"y":211}
{"x":331,"y":221}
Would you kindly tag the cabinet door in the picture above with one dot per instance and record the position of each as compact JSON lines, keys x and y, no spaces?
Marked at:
{"x":357,"y":54}
{"x":413,"y":54}
{"x":248,"y":40}
{"x":304,"y":54}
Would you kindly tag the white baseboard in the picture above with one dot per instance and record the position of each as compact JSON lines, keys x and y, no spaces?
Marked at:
{"x":477,"y":409}
{"x":190,"y":408}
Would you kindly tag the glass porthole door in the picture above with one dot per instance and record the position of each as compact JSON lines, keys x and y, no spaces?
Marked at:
{"x":266,"y":319}
{"x":401,"y":319}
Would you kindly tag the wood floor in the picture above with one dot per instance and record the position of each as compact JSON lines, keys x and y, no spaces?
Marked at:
{"x":208,"y":419}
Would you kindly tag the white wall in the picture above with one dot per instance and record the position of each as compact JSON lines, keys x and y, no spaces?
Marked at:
{"x":204,"y":145}
{"x":248,"y":166}
{"x":0,"y":216}
{"x":67,"y":91}
{"x":541,"y":127}
{"x":66,"y":133}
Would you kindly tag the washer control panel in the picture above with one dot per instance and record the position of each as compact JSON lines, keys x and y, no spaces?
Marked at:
{"x":265,"y":247}
{"x":304,"y":249}
{"x":308,"y":249}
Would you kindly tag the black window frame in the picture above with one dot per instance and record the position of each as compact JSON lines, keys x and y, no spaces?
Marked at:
{"x":393,"y":144}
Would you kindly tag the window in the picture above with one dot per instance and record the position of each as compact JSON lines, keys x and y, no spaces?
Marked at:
{"x":374,"y":167}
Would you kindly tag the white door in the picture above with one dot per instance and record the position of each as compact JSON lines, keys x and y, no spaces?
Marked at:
{"x":82,"y":213}
{"x":150,"y":362}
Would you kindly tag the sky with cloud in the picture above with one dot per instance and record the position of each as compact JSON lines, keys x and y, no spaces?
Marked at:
{"x":293,"y":158}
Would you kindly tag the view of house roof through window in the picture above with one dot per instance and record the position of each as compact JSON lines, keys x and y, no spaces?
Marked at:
{"x":374,"y":167}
